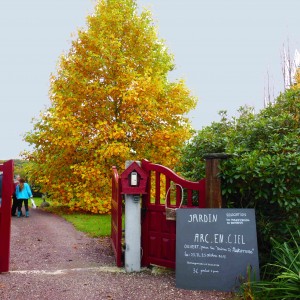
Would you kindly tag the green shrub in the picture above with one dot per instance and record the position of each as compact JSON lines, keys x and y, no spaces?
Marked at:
{"x":264,"y":169}
{"x":285,"y":272}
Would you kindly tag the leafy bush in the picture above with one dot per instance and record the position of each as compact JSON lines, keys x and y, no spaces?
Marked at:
{"x":264,"y":169}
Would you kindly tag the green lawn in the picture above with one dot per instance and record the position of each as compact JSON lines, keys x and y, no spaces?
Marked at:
{"x":93,"y":225}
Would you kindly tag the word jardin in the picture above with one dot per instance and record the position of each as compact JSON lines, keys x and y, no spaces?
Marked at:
{"x":203,"y":218}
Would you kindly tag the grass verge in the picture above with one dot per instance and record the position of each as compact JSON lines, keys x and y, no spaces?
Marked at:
{"x":93,"y":225}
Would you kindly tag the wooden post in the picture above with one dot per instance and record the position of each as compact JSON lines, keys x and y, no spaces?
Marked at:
{"x":213,"y":195}
{"x":5,"y":215}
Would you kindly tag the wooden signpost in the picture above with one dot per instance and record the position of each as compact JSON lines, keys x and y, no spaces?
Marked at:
{"x":215,"y":248}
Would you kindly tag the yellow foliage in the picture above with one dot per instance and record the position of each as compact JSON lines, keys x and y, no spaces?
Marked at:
{"x":111,"y":101}
{"x":297,"y":78}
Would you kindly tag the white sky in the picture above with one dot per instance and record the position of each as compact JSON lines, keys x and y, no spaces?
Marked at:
{"x":223,"y":49}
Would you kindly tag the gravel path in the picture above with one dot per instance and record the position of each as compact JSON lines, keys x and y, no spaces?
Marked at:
{"x":51,"y":260}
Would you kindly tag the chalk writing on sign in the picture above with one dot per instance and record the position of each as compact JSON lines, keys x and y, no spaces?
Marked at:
{"x":214,"y":247}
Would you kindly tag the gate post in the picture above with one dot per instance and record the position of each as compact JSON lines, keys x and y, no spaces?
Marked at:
{"x":5,"y":214}
{"x":132,"y":233}
{"x":213,"y":195}
{"x":133,"y":185}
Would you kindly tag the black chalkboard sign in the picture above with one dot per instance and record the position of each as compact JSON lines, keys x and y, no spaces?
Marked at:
{"x":214,"y":248}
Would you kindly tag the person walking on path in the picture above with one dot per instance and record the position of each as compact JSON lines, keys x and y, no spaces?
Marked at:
{"x":23,"y":193}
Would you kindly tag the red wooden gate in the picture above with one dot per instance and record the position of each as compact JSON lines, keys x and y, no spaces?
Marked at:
{"x":158,"y":239}
{"x":158,"y":233}
{"x":116,"y":217}
{"x":5,"y":214}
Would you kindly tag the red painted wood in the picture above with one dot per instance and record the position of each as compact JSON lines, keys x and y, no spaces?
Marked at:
{"x":5,"y":214}
{"x":141,"y":188}
{"x":158,"y":234}
{"x":116,"y":217}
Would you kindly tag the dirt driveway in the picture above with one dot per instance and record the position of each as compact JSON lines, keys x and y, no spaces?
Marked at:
{"x":51,"y":260}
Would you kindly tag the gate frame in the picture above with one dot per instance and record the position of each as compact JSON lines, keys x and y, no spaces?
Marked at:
{"x":5,"y":214}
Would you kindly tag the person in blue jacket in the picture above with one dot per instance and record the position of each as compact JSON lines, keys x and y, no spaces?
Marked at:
{"x":23,"y":193}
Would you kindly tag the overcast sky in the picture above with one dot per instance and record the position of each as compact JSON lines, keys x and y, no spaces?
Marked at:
{"x":223,"y":49}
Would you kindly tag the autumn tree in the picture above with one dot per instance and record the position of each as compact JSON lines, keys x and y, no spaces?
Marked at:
{"x":111,"y":101}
